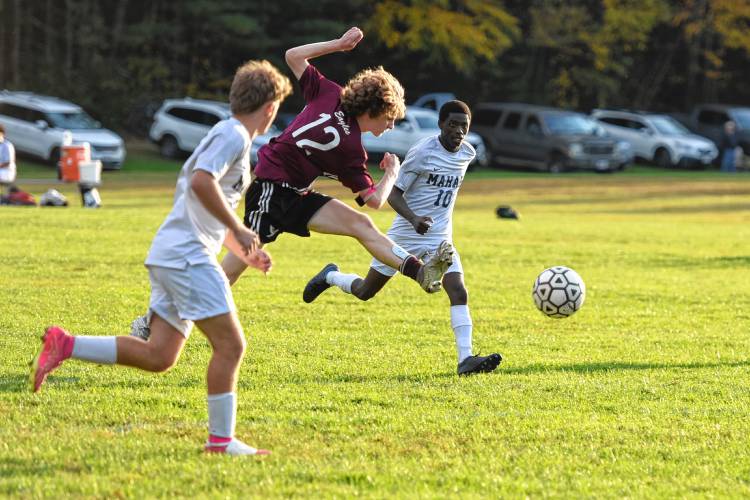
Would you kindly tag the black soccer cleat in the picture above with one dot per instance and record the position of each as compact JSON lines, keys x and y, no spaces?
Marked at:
{"x":479,"y":364}
{"x":317,"y":284}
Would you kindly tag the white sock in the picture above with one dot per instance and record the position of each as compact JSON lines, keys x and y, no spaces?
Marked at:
{"x":341,"y":280}
{"x":222,"y":414}
{"x":461,"y":324}
{"x":95,"y":349}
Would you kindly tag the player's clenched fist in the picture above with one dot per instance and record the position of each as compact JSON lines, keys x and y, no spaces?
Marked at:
{"x":421,"y":224}
{"x":390,"y":163}
{"x":351,"y":38}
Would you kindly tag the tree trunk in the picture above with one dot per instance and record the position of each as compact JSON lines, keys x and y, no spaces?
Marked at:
{"x":15,"y":48}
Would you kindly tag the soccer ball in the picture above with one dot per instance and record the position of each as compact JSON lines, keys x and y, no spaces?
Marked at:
{"x":559,"y":292}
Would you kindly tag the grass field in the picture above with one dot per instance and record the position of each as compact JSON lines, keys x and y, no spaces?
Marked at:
{"x":644,"y":393}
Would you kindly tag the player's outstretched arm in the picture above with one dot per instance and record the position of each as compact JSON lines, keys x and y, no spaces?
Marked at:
{"x":207,"y":190}
{"x":377,"y":196}
{"x":297,"y":57}
{"x":398,"y":202}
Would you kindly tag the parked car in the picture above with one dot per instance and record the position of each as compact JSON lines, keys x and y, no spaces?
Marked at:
{"x":36,"y":123}
{"x":658,"y":138}
{"x":526,"y":135}
{"x":180,"y":125}
{"x":417,"y":124}
{"x":434,"y":100}
{"x":708,"y":120}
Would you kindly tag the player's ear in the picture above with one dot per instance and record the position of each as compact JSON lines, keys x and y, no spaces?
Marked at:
{"x":270,"y":108}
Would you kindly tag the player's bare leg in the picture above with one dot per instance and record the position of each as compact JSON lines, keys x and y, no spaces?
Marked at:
{"x":462,"y":327}
{"x":335,"y":217}
{"x":224,"y":332}
{"x":157,"y":355}
{"x":233,"y":267}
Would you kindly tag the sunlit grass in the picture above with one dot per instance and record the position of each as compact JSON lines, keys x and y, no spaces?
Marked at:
{"x":644,"y":393}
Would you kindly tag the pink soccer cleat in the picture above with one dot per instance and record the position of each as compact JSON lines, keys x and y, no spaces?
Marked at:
{"x":57,"y":346}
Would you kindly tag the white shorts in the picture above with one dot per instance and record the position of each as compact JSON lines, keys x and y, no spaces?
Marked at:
{"x":181,"y":296}
{"x":418,"y":250}
{"x":7,"y":175}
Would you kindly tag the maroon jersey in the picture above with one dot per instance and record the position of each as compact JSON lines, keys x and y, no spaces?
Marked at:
{"x":322,"y":140}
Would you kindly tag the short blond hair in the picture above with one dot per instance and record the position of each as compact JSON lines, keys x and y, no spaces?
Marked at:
{"x":375,"y":92}
{"x":256,"y":83}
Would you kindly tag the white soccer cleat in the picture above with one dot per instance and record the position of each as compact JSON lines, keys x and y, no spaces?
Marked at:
{"x":235,"y":447}
{"x":431,"y":274}
{"x":140,"y":327}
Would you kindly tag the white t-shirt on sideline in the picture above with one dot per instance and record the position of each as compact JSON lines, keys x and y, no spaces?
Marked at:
{"x":190,"y":234}
{"x":7,"y":154}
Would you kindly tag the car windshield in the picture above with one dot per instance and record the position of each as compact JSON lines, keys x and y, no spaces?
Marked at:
{"x":73,"y":120}
{"x":570,"y":124}
{"x":668,"y":125}
{"x":742,"y":116}
{"x":427,"y":121}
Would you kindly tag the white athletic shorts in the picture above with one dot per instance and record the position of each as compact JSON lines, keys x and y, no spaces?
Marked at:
{"x":418,"y":250}
{"x":181,"y":296}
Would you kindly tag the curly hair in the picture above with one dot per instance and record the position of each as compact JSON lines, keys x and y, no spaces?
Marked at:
{"x":375,"y":92}
{"x":256,"y":83}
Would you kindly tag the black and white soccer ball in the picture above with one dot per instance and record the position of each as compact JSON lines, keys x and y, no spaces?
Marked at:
{"x":559,"y":292}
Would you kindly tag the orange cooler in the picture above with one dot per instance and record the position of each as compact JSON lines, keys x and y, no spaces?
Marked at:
{"x":70,"y":158}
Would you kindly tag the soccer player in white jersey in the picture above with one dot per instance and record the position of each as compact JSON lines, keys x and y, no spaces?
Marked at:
{"x":187,"y":283}
{"x":423,"y":196}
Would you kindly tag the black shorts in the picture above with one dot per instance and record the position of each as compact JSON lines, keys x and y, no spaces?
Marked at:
{"x":272,"y":209}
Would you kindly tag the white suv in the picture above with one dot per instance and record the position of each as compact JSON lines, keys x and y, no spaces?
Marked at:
{"x":35,"y":125}
{"x":658,"y":138}
{"x":180,"y":125}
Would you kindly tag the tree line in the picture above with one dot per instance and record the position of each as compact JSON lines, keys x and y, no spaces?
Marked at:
{"x":118,"y":58}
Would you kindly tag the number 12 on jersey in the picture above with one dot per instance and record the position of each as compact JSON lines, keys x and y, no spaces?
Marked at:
{"x":317,"y":145}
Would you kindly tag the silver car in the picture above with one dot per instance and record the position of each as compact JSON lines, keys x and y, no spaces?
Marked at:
{"x":180,"y":125}
{"x":417,"y":124}
{"x":658,"y":138}
{"x":36,"y":124}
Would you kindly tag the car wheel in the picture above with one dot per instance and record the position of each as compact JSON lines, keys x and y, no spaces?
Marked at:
{"x":662,"y":158}
{"x":168,"y":147}
{"x":54,"y":157}
{"x":556,"y":165}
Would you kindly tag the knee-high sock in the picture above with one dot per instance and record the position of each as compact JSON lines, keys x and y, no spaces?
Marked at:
{"x":341,"y":280}
{"x":462,"y":327}
{"x":222,"y":414}
{"x":95,"y":349}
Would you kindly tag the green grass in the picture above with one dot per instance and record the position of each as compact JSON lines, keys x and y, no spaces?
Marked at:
{"x":643,"y":393}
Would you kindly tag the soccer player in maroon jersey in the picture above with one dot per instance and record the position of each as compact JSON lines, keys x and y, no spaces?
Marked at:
{"x":325,"y":139}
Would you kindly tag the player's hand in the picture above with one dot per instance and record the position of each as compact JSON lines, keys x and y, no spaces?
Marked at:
{"x":260,"y":260}
{"x":422,"y":224}
{"x":350,"y":39}
{"x":390,"y":163}
{"x":247,"y":239}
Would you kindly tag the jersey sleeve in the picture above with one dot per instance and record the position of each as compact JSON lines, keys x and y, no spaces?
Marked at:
{"x":313,"y":83}
{"x":224,"y":149}
{"x":411,"y":169}
{"x":4,"y":152}
{"x":357,"y":178}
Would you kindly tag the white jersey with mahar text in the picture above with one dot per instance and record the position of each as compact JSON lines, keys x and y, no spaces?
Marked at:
{"x":190,"y":234}
{"x":430,"y":178}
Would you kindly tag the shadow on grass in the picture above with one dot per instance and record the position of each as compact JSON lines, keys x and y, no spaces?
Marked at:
{"x":619,"y":366}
